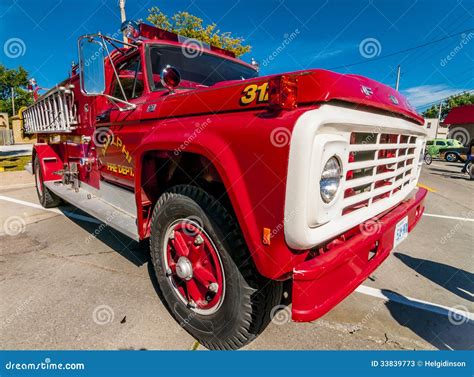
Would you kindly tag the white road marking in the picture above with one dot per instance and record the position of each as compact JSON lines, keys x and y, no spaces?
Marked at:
{"x":409,"y":301}
{"x":55,"y":210}
{"x":439,"y":166}
{"x":448,"y":217}
{"x":466,"y":292}
{"x":17,"y":186}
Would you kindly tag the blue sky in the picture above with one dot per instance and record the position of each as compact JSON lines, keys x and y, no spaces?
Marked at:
{"x":324,"y":34}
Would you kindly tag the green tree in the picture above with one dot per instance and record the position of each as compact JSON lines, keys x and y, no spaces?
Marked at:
{"x":18,"y":80}
{"x":466,"y":98}
{"x":188,"y":25}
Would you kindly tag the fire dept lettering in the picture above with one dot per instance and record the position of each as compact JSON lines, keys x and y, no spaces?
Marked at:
{"x":118,"y":143}
{"x":120,"y":169}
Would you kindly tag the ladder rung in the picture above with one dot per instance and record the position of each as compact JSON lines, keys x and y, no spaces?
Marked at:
{"x":54,"y":112}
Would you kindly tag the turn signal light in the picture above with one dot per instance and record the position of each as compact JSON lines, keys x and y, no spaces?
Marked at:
{"x":283,"y":92}
{"x":267,"y":235}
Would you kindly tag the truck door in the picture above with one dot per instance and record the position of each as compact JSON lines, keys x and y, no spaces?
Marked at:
{"x":117,"y":131}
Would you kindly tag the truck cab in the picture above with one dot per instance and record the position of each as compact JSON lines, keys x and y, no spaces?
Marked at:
{"x":239,"y":181}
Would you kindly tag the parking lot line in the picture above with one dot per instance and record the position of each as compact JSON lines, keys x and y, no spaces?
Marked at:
{"x":28,"y":204}
{"x":55,"y":210}
{"x":426,"y":187}
{"x":448,"y":217}
{"x":413,"y":302}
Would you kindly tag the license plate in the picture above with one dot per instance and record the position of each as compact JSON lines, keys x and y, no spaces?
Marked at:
{"x":401,"y":231}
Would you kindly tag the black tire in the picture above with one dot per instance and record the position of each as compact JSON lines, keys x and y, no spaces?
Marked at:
{"x":470,"y":171}
{"x":428,"y":159}
{"x":451,"y":157}
{"x":45,"y":196}
{"x":249,"y":298}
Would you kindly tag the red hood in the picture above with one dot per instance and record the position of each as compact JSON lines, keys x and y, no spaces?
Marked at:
{"x":318,"y":85}
{"x":314,"y":87}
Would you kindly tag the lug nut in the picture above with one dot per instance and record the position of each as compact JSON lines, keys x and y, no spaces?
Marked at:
{"x":169,"y":272}
{"x":192,"y":304}
{"x":198,"y":240}
{"x":213,"y":287}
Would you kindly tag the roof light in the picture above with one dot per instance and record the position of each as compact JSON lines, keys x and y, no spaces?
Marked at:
{"x":131,"y":29}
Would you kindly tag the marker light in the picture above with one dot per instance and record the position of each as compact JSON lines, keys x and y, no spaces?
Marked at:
{"x":282,"y":92}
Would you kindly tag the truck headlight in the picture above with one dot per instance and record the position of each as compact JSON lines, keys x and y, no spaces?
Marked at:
{"x":330,"y":179}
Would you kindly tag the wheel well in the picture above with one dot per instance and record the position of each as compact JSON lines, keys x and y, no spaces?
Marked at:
{"x":162,"y":170}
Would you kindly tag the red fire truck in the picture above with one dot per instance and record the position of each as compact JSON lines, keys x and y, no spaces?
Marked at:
{"x":239,"y":182}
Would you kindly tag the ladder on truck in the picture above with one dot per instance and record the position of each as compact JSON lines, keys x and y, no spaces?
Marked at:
{"x":53,"y":112}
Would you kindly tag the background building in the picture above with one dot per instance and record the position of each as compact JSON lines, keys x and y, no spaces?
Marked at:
{"x":6,"y":137}
{"x":431,"y":127}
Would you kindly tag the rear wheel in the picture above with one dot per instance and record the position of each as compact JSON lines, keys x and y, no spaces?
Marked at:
{"x":451,"y":157}
{"x":428,"y":159}
{"x":205,"y":271}
{"x":45,"y":196}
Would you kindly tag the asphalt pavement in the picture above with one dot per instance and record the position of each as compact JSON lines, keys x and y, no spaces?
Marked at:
{"x":69,"y":282}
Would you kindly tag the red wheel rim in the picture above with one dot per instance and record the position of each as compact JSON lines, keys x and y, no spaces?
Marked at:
{"x":193,"y":266}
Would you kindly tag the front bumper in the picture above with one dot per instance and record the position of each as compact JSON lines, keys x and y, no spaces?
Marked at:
{"x":321,"y":283}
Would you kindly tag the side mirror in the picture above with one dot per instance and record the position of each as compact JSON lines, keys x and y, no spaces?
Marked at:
{"x":91,"y":66}
{"x":170,"y":78}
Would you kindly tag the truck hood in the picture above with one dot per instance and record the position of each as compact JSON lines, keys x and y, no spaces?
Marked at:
{"x":323,"y":86}
{"x":314,"y":87}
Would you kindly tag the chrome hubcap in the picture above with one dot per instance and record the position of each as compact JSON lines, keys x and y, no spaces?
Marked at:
{"x":184,"y":268}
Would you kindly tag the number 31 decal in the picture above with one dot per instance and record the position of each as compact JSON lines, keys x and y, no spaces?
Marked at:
{"x":254,"y":93}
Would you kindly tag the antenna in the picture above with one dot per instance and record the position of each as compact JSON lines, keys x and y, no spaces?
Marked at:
{"x":123,"y":17}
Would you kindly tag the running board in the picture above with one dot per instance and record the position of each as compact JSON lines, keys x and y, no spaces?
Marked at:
{"x":95,"y":206}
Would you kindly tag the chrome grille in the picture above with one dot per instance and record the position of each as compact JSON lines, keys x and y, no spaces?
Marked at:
{"x":380,"y":165}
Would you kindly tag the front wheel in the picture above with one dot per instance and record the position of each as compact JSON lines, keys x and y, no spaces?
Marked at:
{"x":451,"y":157}
{"x":428,"y":159}
{"x":205,"y":271}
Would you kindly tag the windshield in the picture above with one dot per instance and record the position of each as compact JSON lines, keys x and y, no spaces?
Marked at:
{"x":204,"y":69}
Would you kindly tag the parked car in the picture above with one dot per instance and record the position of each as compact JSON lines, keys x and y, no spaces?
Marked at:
{"x":433,"y":146}
{"x":453,"y":154}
